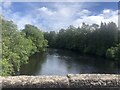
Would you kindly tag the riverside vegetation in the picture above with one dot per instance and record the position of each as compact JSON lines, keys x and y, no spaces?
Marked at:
{"x":103,"y":40}
{"x":19,"y":45}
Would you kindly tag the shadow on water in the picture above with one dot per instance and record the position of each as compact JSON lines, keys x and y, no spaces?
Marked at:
{"x":63,"y":62}
{"x":33,"y":65}
{"x":91,"y":64}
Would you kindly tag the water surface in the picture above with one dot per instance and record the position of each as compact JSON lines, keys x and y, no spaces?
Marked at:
{"x":63,"y":62}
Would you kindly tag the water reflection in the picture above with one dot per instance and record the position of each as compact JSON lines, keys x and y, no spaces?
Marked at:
{"x":34,"y":64}
{"x":62,"y":62}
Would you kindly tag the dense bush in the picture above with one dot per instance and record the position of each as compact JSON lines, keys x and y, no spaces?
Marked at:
{"x":114,"y":52}
{"x":17,"y":46}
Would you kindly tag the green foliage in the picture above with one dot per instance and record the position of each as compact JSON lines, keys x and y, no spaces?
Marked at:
{"x":16,"y":48}
{"x":114,"y":52}
{"x":7,"y":68}
{"x":88,"y":39}
{"x":51,"y":38}
{"x":37,"y":37}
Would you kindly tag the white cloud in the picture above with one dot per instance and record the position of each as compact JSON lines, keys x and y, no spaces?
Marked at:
{"x":6,"y":9}
{"x":45,"y":10}
{"x":66,"y":16}
{"x":65,"y":12}
{"x":106,"y":11}
{"x":7,"y":4}
{"x":111,"y":16}
{"x":84,"y":12}
{"x":64,"y":0}
{"x":0,"y":10}
{"x":21,"y":22}
{"x":61,"y":16}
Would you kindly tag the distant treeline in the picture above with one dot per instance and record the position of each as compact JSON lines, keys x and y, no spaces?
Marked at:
{"x":103,"y":40}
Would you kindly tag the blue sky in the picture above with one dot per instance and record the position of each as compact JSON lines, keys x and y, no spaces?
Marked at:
{"x":54,"y":16}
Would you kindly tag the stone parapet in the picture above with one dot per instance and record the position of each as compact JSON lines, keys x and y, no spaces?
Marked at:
{"x":68,"y":81}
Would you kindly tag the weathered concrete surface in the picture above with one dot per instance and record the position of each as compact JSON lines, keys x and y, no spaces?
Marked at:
{"x":69,"y":81}
{"x":94,"y":80}
{"x":35,"y":82}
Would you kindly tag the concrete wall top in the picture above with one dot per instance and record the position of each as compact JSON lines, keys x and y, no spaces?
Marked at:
{"x":68,"y":81}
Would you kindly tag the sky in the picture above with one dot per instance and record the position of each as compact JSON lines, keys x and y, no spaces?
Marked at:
{"x":49,"y":16}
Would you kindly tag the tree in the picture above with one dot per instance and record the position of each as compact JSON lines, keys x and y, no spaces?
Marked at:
{"x":89,"y":39}
{"x":16,"y":48}
{"x":37,"y":37}
{"x":51,"y":37}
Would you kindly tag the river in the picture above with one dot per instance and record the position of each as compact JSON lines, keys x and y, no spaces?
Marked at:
{"x":63,"y":62}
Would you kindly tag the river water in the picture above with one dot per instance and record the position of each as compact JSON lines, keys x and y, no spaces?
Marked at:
{"x":63,"y":62}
